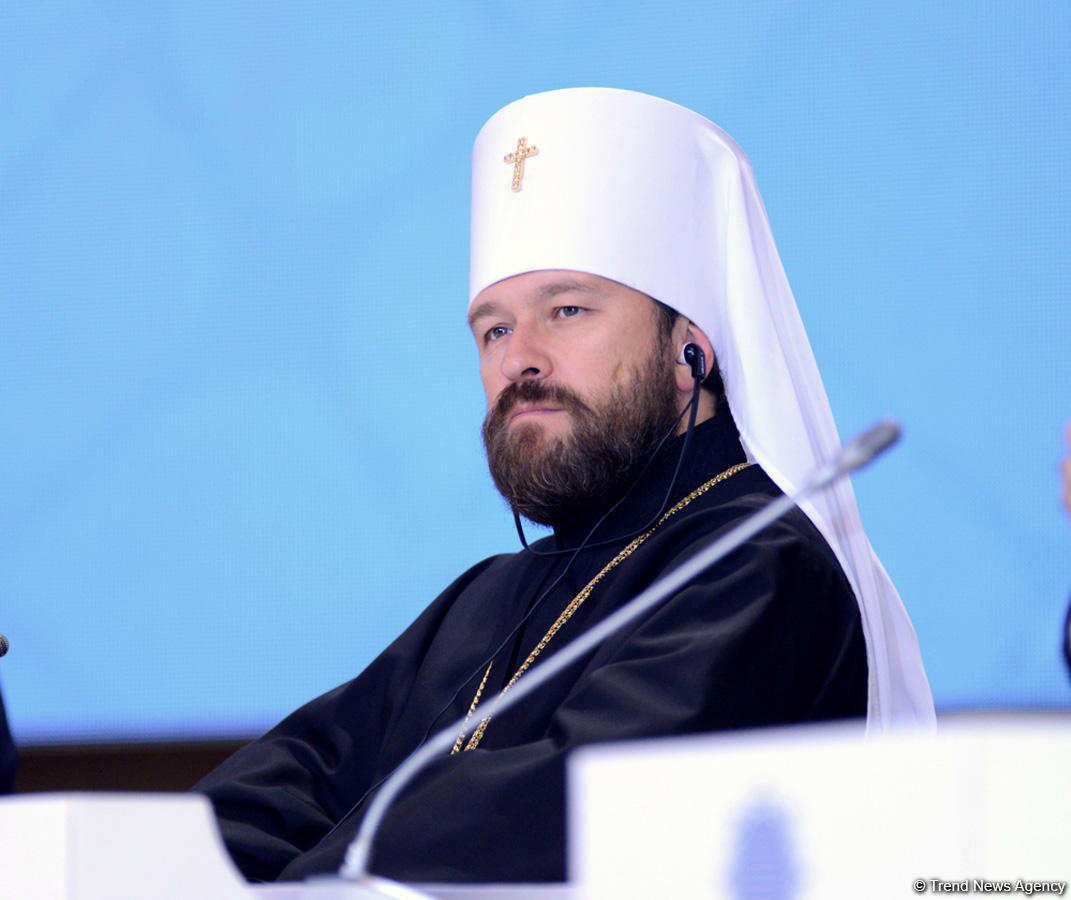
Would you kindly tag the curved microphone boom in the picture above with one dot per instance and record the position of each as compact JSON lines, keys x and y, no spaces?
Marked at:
{"x":853,"y":455}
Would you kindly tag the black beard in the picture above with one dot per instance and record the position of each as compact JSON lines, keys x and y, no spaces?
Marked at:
{"x":545,"y":479}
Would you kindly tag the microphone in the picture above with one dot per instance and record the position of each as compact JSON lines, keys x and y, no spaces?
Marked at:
{"x":855,"y":454}
{"x":3,"y":645}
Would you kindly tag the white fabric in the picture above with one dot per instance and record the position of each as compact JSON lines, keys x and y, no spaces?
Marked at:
{"x":654,"y":196}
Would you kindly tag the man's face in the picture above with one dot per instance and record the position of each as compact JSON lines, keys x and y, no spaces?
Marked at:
{"x":579,"y":383}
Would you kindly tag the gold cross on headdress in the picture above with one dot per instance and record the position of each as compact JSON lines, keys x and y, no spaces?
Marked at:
{"x":518,"y":157}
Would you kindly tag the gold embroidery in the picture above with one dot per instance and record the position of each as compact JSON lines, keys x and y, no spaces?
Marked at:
{"x":574,"y":604}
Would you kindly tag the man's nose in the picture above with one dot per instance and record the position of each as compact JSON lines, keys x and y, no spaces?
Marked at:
{"x":526,"y":357}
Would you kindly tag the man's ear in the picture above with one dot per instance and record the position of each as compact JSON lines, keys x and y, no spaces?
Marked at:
{"x":687,"y":332}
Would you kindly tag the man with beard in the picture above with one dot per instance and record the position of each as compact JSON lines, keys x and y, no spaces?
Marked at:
{"x":619,"y":252}
{"x":550,"y":453}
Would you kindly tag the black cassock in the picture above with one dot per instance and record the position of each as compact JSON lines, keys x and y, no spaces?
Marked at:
{"x":7,"y":754}
{"x":770,"y":635}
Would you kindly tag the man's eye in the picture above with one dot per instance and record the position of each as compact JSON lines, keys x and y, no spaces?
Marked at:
{"x":567,"y":312}
{"x":495,"y":333}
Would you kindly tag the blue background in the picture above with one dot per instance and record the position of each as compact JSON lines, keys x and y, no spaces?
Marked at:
{"x":239,"y":408}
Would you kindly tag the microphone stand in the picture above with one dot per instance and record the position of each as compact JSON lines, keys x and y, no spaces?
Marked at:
{"x":853,"y":455}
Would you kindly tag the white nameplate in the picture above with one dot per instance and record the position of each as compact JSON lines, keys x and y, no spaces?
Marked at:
{"x":820,"y":812}
{"x":114,"y":847}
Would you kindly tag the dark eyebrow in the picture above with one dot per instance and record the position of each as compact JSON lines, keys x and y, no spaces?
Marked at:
{"x":487,"y":308}
{"x":565,"y":287}
{"x":547,"y":292}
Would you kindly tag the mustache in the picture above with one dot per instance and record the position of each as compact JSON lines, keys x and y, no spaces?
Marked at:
{"x":535,"y":392}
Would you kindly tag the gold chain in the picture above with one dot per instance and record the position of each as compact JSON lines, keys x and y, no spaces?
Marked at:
{"x":472,"y":709}
{"x":574,"y":605}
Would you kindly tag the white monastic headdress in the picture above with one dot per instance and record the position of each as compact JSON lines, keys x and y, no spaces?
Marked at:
{"x":652,"y":195}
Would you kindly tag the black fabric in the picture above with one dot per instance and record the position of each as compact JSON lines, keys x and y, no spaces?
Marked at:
{"x":7,"y":754}
{"x":770,"y":635}
{"x":1067,"y":638}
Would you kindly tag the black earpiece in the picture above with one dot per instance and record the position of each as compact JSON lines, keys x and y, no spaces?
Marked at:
{"x":692,"y":355}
